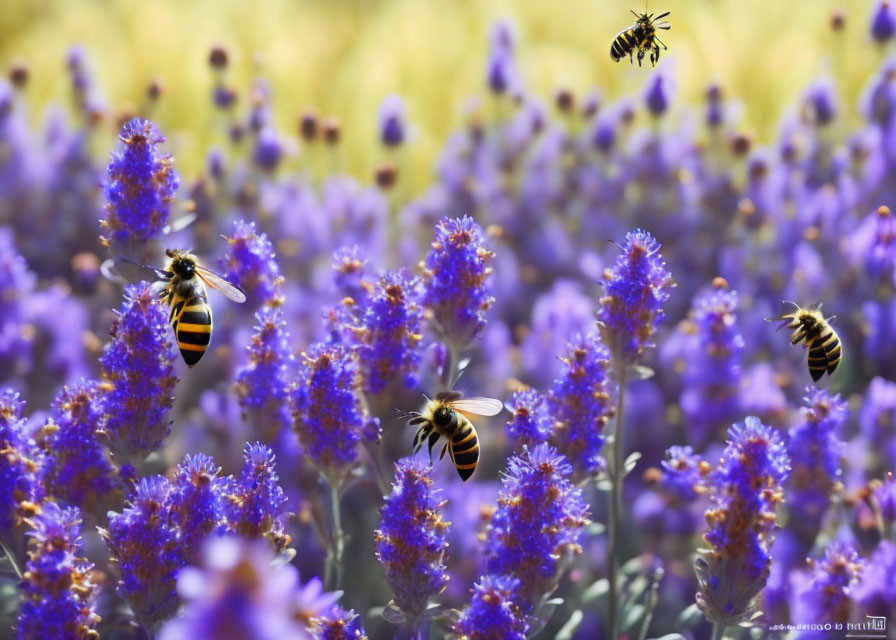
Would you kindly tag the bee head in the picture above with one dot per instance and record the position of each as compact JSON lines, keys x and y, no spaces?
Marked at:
{"x":442,"y":416}
{"x":182,"y":264}
{"x":807,"y":320}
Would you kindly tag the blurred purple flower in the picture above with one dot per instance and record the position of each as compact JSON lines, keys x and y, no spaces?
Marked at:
{"x":636,"y":287}
{"x":141,"y":186}
{"x":457,"y":276}
{"x":493,"y":613}
{"x":875,"y":594}
{"x":411,"y":542}
{"x":877,"y":417}
{"x":348,"y":274}
{"x":815,"y":450}
{"x":138,"y":376}
{"x":883,"y":22}
{"x":16,"y":286}
{"x":824,"y":594}
{"x":58,"y":595}
{"x":238,"y":592}
{"x":268,"y":149}
{"x":745,"y":488}
{"x":539,"y":519}
{"x":393,"y":121}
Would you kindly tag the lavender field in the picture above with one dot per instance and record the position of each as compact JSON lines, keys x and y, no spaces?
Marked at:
{"x":605,"y":263}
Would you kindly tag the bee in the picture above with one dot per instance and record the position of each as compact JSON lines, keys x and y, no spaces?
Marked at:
{"x":813,"y":331}
{"x":640,"y":37}
{"x":444,"y":417}
{"x":185,"y":293}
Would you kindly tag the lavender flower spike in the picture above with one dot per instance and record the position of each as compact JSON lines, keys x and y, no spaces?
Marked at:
{"x":745,"y":489}
{"x":531,"y":421}
{"x":56,"y":588}
{"x":538,"y":522}
{"x":338,"y":624}
{"x":144,"y":542}
{"x":197,"y":502}
{"x":826,"y":594}
{"x":581,"y":405}
{"x":238,"y":591}
{"x":138,"y":375}
{"x":636,"y":287}
{"x":411,"y":541}
{"x":493,"y":613}
{"x":251,"y":263}
{"x":141,"y":186}
{"x":457,"y":281}
{"x":256,"y":503}
{"x":329,"y":415}
{"x":262,"y":385}
{"x":20,"y":464}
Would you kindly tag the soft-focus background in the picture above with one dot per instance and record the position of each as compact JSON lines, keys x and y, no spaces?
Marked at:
{"x":342,"y":57}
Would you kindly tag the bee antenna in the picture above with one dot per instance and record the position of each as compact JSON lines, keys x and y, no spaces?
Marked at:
{"x":790,"y":302}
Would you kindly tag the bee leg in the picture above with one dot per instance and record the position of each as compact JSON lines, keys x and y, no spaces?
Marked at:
{"x":444,"y":449}
{"x":421,"y":435}
{"x":433,"y":438}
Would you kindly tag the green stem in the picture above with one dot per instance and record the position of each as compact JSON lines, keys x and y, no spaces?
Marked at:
{"x":718,"y":630}
{"x":333,"y":570}
{"x":614,"y":522}
{"x":12,"y":558}
{"x":449,"y":369}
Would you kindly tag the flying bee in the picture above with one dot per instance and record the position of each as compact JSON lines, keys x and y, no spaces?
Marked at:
{"x":185,"y":293}
{"x":814,"y":332}
{"x":444,"y":417}
{"x":640,"y":37}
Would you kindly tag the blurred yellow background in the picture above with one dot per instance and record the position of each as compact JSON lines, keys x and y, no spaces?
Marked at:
{"x":343,"y":56}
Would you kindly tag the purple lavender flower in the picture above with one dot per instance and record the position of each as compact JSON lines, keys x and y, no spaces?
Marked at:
{"x":388,"y":334}
{"x":883,"y":22}
{"x":682,"y":473}
{"x":531,"y":422}
{"x":256,"y":505}
{"x":873,"y":245}
{"x":637,"y":286}
{"x":711,"y":396}
{"x":238,"y":591}
{"x":411,"y":541}
{"x":658,"y":92}
{"x":142,"y":184}
{"x":815,"y":450}
{"x":500,"y":72}
{"x":538,"y":523}
{"x":819,"y":102}
{"x":876,"y":592}
{"x":77,"y":469}
{"x":744,"y":489}
{"x":251,"y":264}
{"x":581,"y":406}
{"x":885,"y":496}
{"x":393,"y":121}
{"x":877,"y":417}
{"x":262,"y":384}
{"x":457,"y":281}
{"x":348,"y":273}
{"x":825,"y":593}
{"x":16,"y":285}
{"x":138,"y":376}
{"x":329,"y":414}
{"x":268,"y":149}
{"x":57,"y":591}
{"x":20,"y":463}
{"x":196,"y":502}
{"x":715,"y":113}
{"x":143,"y":539}
{"x":338,"y":624}
{"x":493,"y":613}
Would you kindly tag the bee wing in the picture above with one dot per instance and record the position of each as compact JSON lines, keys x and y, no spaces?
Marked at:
{"x":214,"y":281}
{"x":479,"y":406}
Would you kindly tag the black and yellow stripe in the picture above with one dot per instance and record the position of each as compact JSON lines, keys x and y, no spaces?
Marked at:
{"x":465,"y":449}
{"x":192,"y":323}
{"x":626,"y":42}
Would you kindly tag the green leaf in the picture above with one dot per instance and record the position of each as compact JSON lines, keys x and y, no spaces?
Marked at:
{"x":596,"y":592}
{"x":689,"y":618}
{"x":566,"y":631}
{"x":595,"y":529}
{"x":633,"y":616}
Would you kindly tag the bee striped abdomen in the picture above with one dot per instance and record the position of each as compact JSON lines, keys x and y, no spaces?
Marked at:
{"x":465,"y":450}
{"x":192,"y":324}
